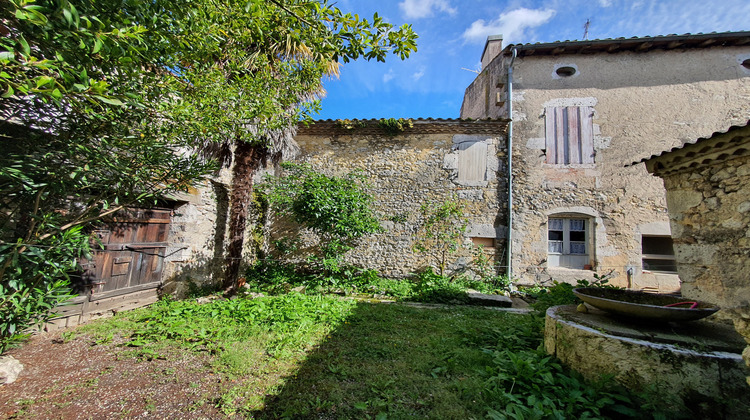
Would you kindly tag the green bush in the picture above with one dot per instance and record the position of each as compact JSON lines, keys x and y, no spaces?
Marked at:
{"x":562,"y":293}
{"x":431,"y":287}
{"x":336,"y":208}
{"x":35,"y":279}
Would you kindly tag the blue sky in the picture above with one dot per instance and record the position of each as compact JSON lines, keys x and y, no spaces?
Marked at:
{"x":431,"y":83}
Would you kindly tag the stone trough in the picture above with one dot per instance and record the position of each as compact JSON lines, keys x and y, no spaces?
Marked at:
{"x":697,"y":364}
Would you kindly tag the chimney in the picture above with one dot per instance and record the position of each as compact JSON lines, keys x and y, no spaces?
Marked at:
{"x":492,"y":49}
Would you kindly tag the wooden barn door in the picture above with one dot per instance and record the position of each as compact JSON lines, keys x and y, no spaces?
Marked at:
{"x":129,"y":254}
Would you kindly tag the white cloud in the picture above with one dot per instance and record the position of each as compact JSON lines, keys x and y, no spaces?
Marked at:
{"x":605,"y":3}
{"x":389,"y":76}
{"x":511,"y":25}
{"x":418,"y":75}
{"x":416,"y":9}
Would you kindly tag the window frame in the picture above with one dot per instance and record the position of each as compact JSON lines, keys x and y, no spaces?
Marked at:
{"x":567,"y":258}
{"x":656,"y":257}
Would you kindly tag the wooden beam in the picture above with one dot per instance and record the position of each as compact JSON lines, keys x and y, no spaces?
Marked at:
{"x":645,"y":46}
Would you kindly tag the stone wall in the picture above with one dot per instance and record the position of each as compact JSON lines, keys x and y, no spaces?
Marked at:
{"x":710,"y":212}
{"x":198,"y":235}
{"x":708,"y":194}
{"x":435,"y":161}
{"x":642,"y":103}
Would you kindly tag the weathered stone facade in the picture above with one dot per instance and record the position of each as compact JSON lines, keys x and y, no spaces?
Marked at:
{"x":435,"y":161}
{"x":642,"y":96}
{"x":197,"y":238}
{"x":198,"y":234}
{"x":708,"y":195}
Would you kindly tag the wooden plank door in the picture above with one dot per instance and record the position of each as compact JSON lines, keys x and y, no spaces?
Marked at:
{"x":130,"y":251}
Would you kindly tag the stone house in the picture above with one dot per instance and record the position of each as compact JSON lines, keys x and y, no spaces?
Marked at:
{"x":708,"y":196}
{"x":581,"y":110}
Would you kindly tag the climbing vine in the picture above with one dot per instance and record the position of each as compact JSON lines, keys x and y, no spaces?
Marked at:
{"x":393,"y":126}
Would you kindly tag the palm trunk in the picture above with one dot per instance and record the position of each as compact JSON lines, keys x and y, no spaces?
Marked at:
{"x":247,"y":159}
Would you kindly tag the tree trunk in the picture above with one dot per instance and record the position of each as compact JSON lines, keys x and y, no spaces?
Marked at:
{"x":247,"y":159}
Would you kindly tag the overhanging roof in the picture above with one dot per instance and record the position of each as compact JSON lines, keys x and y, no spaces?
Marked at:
{"x":705,"y":151}
{"x":420,"y":126}
{"x":635,"y":44}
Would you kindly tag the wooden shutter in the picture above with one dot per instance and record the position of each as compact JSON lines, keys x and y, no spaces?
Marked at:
{"x":569,"y":134}
{"x":472,"y":161}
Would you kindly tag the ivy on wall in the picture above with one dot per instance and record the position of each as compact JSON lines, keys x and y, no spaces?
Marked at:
{"x":390,"y":126}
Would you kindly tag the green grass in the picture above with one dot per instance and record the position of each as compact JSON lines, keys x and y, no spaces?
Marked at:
{"x":298,"y":356}
{"x":274,"y":277}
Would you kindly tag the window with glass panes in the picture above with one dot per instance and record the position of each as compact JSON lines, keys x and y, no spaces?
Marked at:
{"x":567,"y":242}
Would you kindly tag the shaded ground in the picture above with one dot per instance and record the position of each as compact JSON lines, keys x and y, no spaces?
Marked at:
{"x":391,"y":360}
{"x":303,"y":357}
{"x":79,"y":380}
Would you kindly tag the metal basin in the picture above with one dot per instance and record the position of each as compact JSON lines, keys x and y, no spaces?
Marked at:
{"x":633,"y":304}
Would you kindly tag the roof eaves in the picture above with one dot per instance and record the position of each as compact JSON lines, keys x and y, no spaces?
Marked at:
{"x":729,"y":130}
{"x":698,"y":40}
{"x":420,"y":126}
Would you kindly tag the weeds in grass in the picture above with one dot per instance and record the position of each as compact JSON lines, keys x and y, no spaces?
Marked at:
{"x":273,"y":277}
{"x":299,"y":356}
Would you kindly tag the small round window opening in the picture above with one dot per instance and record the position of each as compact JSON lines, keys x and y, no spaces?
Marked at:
{"x":746,"y":63}
{"x":566,"y":71}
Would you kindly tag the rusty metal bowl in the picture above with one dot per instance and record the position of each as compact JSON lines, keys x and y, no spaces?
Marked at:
{"x":646,"y":306}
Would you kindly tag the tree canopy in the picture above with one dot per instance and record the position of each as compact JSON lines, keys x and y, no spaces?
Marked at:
{"x":104,"y":102}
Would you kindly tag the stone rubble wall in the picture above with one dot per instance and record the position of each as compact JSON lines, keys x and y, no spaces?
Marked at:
{"x":405,"y":171}
{"x":710,"y":215}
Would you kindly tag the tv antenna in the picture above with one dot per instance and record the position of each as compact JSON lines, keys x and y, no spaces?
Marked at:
{"x":586,"y":29}
{"x":473,"y":71}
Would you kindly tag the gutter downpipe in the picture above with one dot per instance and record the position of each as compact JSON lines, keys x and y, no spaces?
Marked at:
{"x":509,"y":235}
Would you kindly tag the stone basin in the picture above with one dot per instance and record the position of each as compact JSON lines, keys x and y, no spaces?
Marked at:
{"x":647,"y":306}
{"x":697,"y":365}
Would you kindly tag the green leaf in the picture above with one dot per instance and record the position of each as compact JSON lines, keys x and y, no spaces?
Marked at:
{"x":24,"y":45}
{"x":44,"y":80}
{"x":68,"y":17}
{"x":97,"y":45}
{"x":110,"y":101}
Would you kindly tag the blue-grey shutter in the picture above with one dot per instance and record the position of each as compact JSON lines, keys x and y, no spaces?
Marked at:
{"x":569,"y":134}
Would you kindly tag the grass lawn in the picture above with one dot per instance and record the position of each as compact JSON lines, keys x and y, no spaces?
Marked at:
{"x":298,"y":356}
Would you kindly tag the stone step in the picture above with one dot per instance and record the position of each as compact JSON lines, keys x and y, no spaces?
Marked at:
{"x":476,"y":298}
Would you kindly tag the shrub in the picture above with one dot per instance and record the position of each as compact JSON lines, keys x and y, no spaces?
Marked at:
{"x":336,"y":208}
{"x":562,"y":293}
{"x":441,"y":233}
{"x":35,"y":279}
